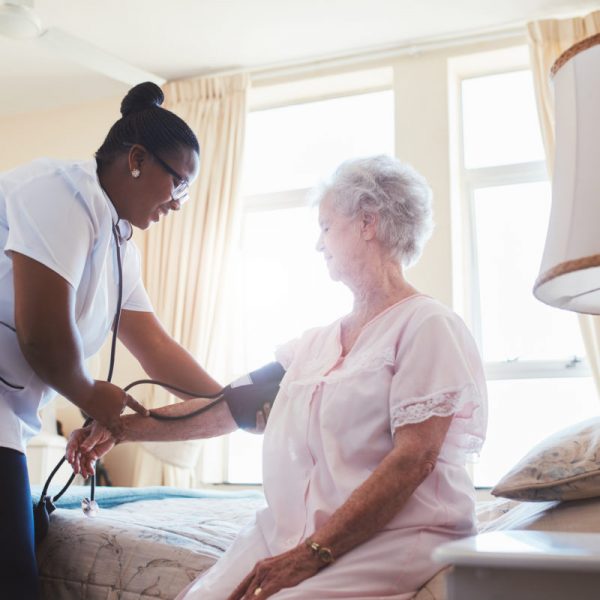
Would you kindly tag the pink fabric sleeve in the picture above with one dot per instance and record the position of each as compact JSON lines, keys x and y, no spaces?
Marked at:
{"x":436,"y":373}
{"x":285,"y":353}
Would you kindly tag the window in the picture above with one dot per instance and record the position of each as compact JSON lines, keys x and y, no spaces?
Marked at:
{"x":538,"y":381}
{"x":284,"y":287}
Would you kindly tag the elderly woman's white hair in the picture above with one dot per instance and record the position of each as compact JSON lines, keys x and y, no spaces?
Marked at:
{"x":392,"y":190}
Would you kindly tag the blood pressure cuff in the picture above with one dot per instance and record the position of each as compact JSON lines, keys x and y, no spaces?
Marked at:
{"x":248,"y":394}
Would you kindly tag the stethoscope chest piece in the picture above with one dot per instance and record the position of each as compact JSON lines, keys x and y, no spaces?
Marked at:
{"x":90,"y":507}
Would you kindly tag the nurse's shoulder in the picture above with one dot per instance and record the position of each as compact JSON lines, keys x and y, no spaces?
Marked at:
{"x":54,"y":185}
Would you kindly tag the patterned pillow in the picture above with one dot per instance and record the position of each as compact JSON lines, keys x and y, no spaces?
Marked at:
{"x":565,"y":466}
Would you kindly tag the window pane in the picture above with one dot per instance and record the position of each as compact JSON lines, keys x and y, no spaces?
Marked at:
{"x":511,"y":222}
{"x":524,"y":412}
{"x":286,"y":285}
{"x":295,"y":147}
{"x":500,"y":122}
{"x":285,"y":290}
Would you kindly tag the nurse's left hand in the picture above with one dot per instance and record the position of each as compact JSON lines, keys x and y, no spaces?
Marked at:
{"x":273,"y":574}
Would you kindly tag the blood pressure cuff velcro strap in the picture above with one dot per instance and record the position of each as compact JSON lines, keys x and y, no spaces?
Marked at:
{"x":247,"y":395}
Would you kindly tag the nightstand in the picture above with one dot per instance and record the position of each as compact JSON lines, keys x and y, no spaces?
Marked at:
{"x":523,"y":565}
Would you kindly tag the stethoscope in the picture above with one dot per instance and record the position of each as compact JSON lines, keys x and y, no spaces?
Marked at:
{"x":90,"y":508}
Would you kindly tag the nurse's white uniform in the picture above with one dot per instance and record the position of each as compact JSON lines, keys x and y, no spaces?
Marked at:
{"x":331,"y":426}
{"x":56,"y":213}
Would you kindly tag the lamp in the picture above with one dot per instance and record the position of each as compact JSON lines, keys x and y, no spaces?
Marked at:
{"x":570,"y":271}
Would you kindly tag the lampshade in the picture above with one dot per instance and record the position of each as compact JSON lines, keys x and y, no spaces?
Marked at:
{"x":570,"y":271}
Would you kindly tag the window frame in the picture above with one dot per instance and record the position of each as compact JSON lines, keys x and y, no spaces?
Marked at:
{"x":465,"y":183}
{"x":483,"y":177}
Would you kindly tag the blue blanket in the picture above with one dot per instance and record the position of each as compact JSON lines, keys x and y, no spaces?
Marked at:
{"x":108,"y":497}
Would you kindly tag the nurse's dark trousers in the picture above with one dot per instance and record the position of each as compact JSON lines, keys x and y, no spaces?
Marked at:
{"x":18,"y":567}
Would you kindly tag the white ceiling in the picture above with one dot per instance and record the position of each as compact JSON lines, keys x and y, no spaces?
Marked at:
{"x":181,"y":38}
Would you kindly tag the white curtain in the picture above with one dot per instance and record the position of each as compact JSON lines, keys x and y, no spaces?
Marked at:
{"x":186,"y":259}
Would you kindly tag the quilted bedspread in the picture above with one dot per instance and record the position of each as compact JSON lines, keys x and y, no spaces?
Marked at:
{"x":140,"y":549}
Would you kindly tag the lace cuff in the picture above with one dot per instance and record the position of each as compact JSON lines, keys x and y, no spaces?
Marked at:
{"x":442,"y":404}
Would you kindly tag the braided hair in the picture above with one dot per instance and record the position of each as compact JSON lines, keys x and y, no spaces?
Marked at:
{"x":145,"y":122}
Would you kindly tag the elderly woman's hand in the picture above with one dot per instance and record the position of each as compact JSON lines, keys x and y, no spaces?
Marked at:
{"x":273,"y":574}
{"x":262,"y":416}
{"x":87,"y":445}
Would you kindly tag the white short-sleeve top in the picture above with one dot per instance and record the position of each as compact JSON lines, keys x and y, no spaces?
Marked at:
{"x":56,"y":213}
{"x":335,"y":416}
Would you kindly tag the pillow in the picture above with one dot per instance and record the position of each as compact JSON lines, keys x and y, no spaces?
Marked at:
{"x":565,"y":466}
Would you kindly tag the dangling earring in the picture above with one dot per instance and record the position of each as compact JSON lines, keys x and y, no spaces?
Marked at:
{"x":135,"y":173}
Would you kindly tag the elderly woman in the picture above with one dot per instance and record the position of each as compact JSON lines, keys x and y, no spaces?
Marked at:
{"x":365,"y":447}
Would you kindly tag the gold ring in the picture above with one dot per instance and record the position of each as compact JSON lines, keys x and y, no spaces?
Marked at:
{"x":258,"y":591}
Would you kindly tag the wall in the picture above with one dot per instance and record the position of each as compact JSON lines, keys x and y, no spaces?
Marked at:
{"x":72,"y":133}
{"x":422,"y":140}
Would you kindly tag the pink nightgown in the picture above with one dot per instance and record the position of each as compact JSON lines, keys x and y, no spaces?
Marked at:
{"x":332,"y":425}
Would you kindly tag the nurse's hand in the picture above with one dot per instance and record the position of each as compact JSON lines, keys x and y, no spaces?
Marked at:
{"x":105,"y":402}
{"x":273,"y":574}
{"x":86,"y":445}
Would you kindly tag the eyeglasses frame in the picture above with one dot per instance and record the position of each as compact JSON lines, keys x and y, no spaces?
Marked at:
{"x":180,"y":191}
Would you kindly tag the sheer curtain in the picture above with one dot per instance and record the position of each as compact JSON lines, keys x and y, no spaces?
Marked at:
{"x":548,"y":39}
{"x":186,"y":259}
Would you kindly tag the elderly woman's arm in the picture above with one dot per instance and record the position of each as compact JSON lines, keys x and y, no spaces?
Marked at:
{"x":366,"y":512}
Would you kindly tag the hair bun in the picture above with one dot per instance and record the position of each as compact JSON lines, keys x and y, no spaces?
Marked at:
{"x":141,"y":97}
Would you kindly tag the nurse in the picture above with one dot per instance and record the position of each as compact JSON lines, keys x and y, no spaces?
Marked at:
{"x":60,"y":224}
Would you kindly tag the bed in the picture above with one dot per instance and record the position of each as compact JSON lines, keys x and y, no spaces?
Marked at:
{"x":149,"y":543}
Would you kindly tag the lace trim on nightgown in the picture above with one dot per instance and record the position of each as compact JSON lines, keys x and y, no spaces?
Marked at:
{"x":472,"y":447}
{"x":443,"y":404}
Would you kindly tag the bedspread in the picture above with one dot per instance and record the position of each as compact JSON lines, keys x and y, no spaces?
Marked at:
{"x":141,"y":550}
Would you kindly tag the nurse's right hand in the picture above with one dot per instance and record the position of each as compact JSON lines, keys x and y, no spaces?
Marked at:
{"x":106,"y":402}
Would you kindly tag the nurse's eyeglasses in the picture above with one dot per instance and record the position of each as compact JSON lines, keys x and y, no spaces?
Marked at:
{"x":181,"y":190}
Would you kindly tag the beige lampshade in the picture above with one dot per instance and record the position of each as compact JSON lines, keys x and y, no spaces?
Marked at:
{"x":570,"y":271}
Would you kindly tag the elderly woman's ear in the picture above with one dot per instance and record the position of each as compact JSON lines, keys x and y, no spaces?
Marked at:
{"x":368,"y":225}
